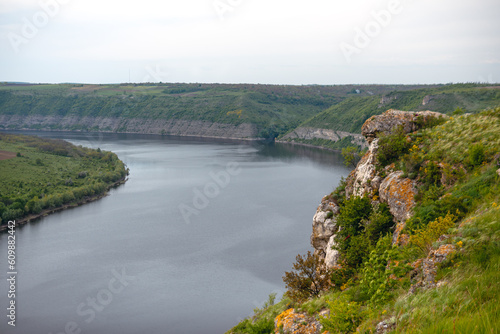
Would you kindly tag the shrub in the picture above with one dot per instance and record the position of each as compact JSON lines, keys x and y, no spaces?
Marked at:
{"x":424,"y":237}
{"x":351,"y":155}
{"x":260,"y":326}
{"x":476,"y":154}
{"x":392,"y":146}
{"x":344,"y":316}
{"x":379,"y":223}
{"x":310,"y":278}
{"x":352,"y":217}
{"x":382,"y":271}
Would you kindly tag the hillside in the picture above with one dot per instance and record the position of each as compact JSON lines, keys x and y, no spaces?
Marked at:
{"x":349,"y":115}
{"x":244,"y":111}
{"x":40,"y":176}
{"x":409,"y":242}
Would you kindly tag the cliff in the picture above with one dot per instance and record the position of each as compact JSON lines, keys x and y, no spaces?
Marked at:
{"x":319,"y":136}
{"x":410,"y":238}
{"x":130,"y":125}
{"x":381,"y":186}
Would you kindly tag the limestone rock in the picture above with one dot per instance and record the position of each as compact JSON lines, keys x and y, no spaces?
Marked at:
{"x":428,"y":268}
{"x":292,"y":322}
{"x":313,"y":133}
{"x":360,"y":180}
{"x":324,"y":225}
{"x":331,"y":255}
{"x":132,"y":125}
{"x":427,"y":99}
{"x":385,"y":122}
{"x":386,"y":326}
{"x":399,"y":194}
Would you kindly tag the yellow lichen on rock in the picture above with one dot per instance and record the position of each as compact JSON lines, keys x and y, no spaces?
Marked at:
{"x":291,"y":322}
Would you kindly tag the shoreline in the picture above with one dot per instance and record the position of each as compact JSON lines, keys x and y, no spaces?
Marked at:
{"x":309,"y":145}
{"x":137,"y":133}
{"x":33,"y":217}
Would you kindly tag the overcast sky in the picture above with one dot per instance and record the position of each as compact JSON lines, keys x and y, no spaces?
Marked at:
{"x":250,"y":41}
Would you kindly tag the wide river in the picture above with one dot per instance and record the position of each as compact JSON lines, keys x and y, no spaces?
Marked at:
{"x":200,"y":235}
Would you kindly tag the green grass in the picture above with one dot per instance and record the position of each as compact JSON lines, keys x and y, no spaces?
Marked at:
{"x":50,"y":173}
{"x":468,"y":303}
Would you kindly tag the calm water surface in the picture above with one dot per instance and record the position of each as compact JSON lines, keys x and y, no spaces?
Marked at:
{"x":133,"y":263}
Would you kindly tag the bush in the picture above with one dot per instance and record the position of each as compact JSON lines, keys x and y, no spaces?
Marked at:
{"x":351,"y":220}
{"x":476,"y":154}
{"x":344,"y":316}
{"x":392,"y":146}
{"x":424,"y":237}
{"x":351,"y":155}
{"x":260,"y":326}
{"x":310,"y":278}
{"x":382,"y":271}
{"x":379,"y":223}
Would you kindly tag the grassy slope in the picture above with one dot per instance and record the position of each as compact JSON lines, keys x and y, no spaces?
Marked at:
{"x":50,"y":173}
{"x":350,"y":114}
{"x":467,"y":302}
{"x":275,"y":109}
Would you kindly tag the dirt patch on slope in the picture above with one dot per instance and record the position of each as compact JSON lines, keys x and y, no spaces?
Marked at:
{"x":4,"y":155}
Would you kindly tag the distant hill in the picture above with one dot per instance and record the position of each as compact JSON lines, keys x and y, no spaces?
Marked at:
{"x":242,"y":111}
{"x":350,"y":114}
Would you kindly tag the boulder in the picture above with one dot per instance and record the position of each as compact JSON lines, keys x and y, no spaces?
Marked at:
{"x":410,"y":121}
{"x":293,"y":322}
{"x":331,"y":255}
{"x":324,"y":225}
{"x":427,"y":267}
{"x":398,"y":193}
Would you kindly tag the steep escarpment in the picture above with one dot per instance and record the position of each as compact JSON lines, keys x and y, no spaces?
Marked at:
{"x":130,"y":125}
{"x":338,"y":139}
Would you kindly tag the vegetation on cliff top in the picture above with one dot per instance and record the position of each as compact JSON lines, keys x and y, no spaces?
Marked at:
{"x":457,"y":216}
{"x":44,"y":174}
{"x":273,"y":109}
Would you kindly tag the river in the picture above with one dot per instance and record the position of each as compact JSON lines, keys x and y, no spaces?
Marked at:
{"x":199,"y":236}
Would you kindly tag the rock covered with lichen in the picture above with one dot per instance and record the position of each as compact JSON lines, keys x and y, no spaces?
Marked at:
{"x":384,"y":185}
{"x":294,"y":322}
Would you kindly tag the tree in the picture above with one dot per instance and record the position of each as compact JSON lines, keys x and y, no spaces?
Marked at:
{"x":310,"y":278}
{"x":350,"y":155}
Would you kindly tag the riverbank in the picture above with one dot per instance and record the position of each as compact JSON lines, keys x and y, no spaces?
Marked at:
{"x":44,"y":213}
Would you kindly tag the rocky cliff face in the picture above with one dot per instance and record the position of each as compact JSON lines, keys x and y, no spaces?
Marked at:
{"x":335,"y":136}
{"x":387,"y":186}
{"x":130,"y":125}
